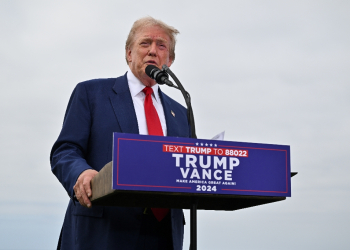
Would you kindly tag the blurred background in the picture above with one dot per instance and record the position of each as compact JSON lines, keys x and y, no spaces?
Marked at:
{"x":263,"y":71}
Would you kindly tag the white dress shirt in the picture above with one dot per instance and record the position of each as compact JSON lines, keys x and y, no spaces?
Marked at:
{"x":138,"y":98}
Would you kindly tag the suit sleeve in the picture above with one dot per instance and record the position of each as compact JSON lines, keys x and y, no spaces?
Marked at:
{"x":68,"y":154}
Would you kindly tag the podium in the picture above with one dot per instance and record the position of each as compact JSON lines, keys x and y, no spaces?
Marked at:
{"x":189,"y":173}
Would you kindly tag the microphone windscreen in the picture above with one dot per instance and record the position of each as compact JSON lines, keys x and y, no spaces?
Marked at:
{"x":149,"y":70}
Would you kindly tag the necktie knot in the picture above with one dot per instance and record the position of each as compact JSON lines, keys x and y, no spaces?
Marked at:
{"x":148,"y":90}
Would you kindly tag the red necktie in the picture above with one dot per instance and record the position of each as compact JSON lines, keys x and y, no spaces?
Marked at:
{"x":154,"y":128}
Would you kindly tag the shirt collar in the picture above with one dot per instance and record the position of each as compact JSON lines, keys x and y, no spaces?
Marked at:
{"x":136,"y":86}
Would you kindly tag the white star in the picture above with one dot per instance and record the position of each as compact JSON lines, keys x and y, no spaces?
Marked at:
{"x":216,"y":145}
{"x":201,"y":144}
{"x":196,"y":143}
{"x":211,"y":144}
{"x":206,"y":144}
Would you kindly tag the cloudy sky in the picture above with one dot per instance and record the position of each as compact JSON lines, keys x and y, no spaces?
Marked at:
{"x":264,"y":71}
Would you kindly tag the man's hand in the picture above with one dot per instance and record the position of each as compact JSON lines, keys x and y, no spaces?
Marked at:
{"x":82,"y":187}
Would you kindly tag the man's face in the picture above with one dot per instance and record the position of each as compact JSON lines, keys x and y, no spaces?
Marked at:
{"x":151,"y":46}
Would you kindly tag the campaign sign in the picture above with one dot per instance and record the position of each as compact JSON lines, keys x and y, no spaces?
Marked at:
{"x":186,"y":165}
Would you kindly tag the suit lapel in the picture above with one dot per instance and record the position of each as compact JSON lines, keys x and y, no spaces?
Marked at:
{"x":123,"y":106}
{"x":171,"y":122}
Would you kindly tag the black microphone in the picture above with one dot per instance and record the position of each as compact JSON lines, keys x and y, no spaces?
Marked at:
{"x":160,"y":76}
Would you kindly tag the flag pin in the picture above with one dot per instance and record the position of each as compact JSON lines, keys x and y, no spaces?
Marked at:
{"x":172,"y":112}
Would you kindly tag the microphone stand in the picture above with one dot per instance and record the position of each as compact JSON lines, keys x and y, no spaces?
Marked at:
{"x":187,"y":97}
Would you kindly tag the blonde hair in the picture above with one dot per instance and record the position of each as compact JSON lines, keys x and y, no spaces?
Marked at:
{"x":147,"y":22}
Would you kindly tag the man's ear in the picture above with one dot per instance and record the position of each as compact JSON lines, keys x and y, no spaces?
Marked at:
{"x":128,"y":55}
{"x":170,"y":62}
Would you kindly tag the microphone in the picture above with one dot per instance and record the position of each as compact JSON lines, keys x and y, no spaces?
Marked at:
{"x":160,"y":76}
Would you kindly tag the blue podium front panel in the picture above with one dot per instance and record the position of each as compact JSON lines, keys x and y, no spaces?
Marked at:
{"x":186,"y":165}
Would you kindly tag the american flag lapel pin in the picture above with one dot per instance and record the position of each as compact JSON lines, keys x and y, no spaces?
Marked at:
{"x":172,"y":112}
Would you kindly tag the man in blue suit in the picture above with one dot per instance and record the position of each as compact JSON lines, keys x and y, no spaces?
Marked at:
{"x":96,"y":109}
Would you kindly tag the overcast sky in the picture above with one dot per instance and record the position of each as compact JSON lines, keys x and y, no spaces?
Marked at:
{"x":264,"y":71}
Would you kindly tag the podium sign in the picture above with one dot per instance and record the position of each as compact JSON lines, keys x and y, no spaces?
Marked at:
{"x":186,"y":165}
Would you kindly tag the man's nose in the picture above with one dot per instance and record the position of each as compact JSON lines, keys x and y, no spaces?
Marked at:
{"x":152,"y":49}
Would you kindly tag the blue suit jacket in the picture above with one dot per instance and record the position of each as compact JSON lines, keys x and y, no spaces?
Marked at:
{"x":96,"y":109}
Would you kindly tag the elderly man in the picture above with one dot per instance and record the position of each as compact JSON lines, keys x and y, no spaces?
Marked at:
{"x":96,"y":109}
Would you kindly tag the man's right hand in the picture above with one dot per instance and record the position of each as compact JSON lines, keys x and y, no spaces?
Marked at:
{"x":82,"y":187}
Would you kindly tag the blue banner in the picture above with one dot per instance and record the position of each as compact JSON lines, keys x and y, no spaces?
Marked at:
{"x":186,"y":165}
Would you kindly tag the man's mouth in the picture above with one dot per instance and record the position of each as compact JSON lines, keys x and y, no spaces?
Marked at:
{"x":151,"y":62}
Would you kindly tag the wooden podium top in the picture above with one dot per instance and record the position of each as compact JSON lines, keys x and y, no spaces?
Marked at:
{"x":104,"y":195}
